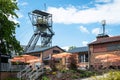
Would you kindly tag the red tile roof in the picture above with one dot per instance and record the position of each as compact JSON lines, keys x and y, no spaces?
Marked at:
{"x":106,"y":40}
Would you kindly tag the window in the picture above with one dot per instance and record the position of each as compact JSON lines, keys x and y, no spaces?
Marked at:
{"x":56,"y":51}
{"x":83,"y":58}
{"x":112,"y":47}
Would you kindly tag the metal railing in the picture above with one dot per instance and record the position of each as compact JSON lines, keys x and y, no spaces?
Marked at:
{"x":31,"y":73}
{"x":5,"y":67}
{"x":8,"y":67}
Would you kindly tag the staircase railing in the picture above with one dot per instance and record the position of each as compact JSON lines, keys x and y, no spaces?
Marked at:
{"x":22,"y":74}
{"x":30,"y":73}
{"x":38,"y":72}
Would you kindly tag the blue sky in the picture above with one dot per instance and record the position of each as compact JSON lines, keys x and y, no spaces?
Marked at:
{"x":75,"y":22}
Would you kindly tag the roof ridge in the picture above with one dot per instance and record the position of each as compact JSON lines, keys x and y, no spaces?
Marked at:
{"x":106,"y":39}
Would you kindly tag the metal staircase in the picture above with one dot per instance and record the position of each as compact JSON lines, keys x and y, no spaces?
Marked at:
{"x":31,"y":72}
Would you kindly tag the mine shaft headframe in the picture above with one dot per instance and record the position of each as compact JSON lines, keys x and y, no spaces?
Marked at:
{"x":40,"y":13}
{"x":40,"y":18}
{"x":42,"y":21}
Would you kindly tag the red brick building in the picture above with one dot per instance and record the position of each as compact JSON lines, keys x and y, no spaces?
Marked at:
{"x":105,"y":52}
{"x":46,"y":52}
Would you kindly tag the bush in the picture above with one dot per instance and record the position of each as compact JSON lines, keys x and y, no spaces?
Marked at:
{"x":73,"y":64}
{"x":45,"y":78}
{"x":63,"y":71}
{"x":112,"y":75}
{"x":75,"y":77}
{"x":84,"y":73}
{"x":72,"y":71}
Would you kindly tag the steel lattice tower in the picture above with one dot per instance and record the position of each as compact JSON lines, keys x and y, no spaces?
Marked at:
{"x":42,"y":22}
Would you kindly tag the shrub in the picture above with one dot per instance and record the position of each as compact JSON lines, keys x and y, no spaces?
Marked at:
{"x":64,"y":71}
{"x":84,"y":73}
{"x":73,"y":64}
{"x":45,"y":78}
{"x":72,"y":71}
{"x":75,"y":77}
{"x":112,"y":75}
{"x":54,"y":73}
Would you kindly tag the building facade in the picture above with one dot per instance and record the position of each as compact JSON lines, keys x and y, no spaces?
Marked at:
{"x":82,"y":57}
{"x":105,"y":52}
{"x":46,"y":53}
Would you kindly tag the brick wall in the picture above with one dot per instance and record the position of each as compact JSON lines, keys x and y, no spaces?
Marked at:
{"x":4,"y":75}
{"x":47,"y":52}
{"x":96,"y":61}
{"x":50,"y":51}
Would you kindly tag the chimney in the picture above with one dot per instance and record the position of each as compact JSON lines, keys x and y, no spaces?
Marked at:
{"x":100,"y":36}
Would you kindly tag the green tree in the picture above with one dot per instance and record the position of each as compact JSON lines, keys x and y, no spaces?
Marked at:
{"x":71,"y":47}
{"x":8,"y":41}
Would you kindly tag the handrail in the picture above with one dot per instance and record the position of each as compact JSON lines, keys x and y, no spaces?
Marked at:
{"x":37,"y":73}
{"x":31,"y":74}
{"x":24,"y":71}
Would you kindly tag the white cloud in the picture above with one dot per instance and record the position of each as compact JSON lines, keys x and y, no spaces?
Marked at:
{"x":83,"y":29}
{"x":106,"y":1}
{"x":24,"y":4}
{"x":71,"y":15}
{"x":20,"y":15}
{"x":65,"y":48}
{"x":84,"y":43}
{"x":96,"y":31}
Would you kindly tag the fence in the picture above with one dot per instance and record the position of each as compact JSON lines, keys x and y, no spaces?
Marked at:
{"x":8,"y":67}
{"x":5,"y":67}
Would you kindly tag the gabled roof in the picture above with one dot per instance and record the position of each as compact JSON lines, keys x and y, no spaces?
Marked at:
{"x":79,"y":49}
{"x":36,"y":47}
{"x":43,"y":49}
{"x":106,"y":40}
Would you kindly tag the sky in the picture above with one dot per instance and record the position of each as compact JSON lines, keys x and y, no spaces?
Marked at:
{"x":75,"y":22}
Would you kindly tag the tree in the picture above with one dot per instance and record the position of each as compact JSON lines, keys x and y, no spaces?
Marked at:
{"x":71,"y":47}
{"x":73,"y":62}
{"x":8,"y":41}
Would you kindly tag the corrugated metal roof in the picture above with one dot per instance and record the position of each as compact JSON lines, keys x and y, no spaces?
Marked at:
{"x":79,"y":49}
{"x":39,"y":49}
{"x":107,"y":39}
